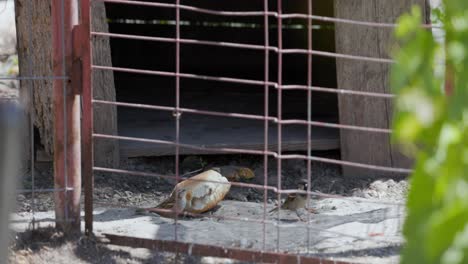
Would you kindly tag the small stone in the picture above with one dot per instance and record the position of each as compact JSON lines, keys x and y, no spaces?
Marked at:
{"x":21,"y":197}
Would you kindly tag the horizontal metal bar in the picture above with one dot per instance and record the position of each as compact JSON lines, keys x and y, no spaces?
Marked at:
{"x":244,"y":81}
{"x":347,"y":21}
{"x":44,"y":190}
{"x":20,"y":78}
{"x":185,"y":41}
{"x":335,"y":55}
{"x":166,"y":142}
{"x":333,"y":125}
{"x":183,"y":110}
{"x":247,"y":46}
{"x":259,"y":152}
{"x":216,"y":251}
{"x":183,"y":75}
{"x":262,"y":13}
{"x":348,"y":163}
{"x":247,"y":116}
{"x":336,"y":90}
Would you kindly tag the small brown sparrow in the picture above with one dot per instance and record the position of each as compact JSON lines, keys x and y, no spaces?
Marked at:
{"x":296,"y":201}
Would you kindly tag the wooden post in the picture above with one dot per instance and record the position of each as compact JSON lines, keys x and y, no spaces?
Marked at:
{"x":358,"y":146}
{"x":66,"y":109}
{"x":35,"y":49}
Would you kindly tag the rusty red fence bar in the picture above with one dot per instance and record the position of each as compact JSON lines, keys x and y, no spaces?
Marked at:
{"x":258,"y":152}
{"x":280,"y":113}
{"x":216,"y":251}
{"x":87,"y":128}
{"x":246,"y":46}
{"x":46,"y":190}
{"x":166,"y":142}
{"x":30,"y":78}
{"x":261,"y":13}
{"x":266,"y":93}
{"x":247,"y":116}
{"x":177,"y":113}
{"x":245,"y":81}
{"x":66,"y":101}
{"x":185,"y":41}
{"x":184,"y":75}
{"x":337,"y":91}
{"x":309,"y":111}
{"x":333,"y":125}
{"x":335,"y":55}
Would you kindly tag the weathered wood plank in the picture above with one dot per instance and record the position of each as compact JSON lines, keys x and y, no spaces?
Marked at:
{"x":34,"y":38}
{"x":371,"y":148}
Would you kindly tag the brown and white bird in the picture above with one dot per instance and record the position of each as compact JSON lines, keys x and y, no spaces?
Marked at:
{"x":203,"y":192}
{"x":295,"y":201}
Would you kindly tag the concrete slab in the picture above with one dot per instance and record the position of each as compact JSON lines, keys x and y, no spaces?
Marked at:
{"x":341,"y":229}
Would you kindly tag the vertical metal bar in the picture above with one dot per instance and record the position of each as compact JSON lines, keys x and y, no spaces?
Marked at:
{"x":266,"y":113}
{"x":66,"y":102}
{"x":31,"y":116}
{"x":87,"y":132}
{"x":279,"y":110}
{"x":309,"y":113}
{"x":177,"y":103}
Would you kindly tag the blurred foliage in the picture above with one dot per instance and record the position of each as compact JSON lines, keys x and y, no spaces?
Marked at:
{"x":433,"y":128}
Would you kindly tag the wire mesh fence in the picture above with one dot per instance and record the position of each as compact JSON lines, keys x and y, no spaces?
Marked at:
{"x":313,"y":226}
{"x":284,"y":236}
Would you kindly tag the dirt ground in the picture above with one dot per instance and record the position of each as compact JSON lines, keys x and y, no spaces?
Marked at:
{"x":48,"y":246}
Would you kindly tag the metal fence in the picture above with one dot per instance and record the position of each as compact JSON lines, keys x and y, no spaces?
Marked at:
{"x":74,"y":152}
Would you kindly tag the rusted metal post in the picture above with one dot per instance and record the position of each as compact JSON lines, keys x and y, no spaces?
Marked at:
{"x":249,"y":255}
{"x":66,"y":109}
{"x":87,"y":133}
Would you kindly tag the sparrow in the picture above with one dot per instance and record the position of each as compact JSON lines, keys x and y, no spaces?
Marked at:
{"x":295,"y":201}
{"x":203,"y":192}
